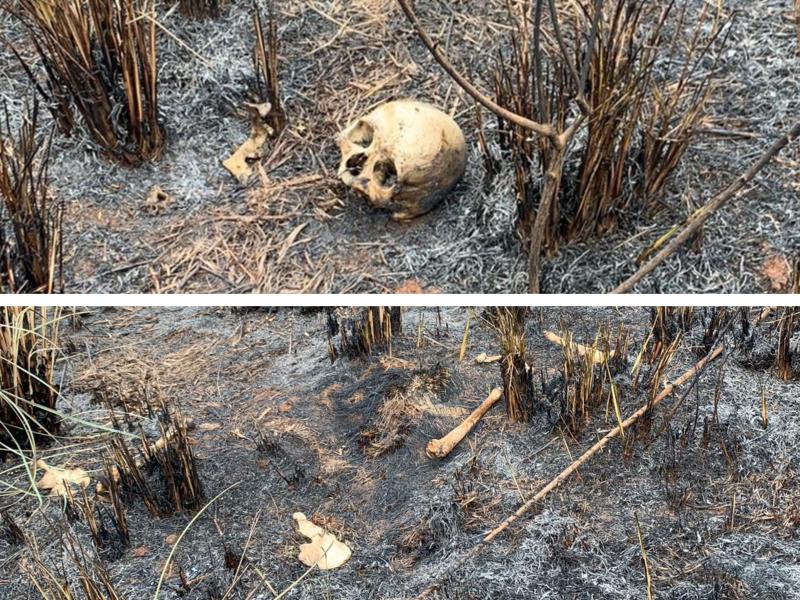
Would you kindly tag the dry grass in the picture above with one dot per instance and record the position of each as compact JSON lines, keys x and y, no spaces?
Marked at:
{"x":268,"y":248}
{"x":390,"y":427}
{"x":32,"y":262}
{"x":201,"y":9}
{"x":178,"y":488}
{"x":126,"y":379}
{"x":100,"y":62}
{"x":29,"y":350}
{"x":635,"y":121}
{"x":588,"y":383}
{"x":78,"y":575}
{"x":509,"y":325}
{"x":360,"y":334}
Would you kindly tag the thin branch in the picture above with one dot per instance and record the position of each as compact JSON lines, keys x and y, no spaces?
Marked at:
{"x":512,"y":117}
{"x":701,"y":215}
{"x":577,"y":80}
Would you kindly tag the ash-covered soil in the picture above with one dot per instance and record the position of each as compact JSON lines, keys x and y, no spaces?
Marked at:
{"x":717,"y":498}
{"x":299,"y":229}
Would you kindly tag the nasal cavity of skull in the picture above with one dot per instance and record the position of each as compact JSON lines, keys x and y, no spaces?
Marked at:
{"x":355,"y":164}
{"x":385,"y":173}
{"x":362,"y":134}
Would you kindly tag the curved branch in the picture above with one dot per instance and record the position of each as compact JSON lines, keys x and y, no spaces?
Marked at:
{"x":702,"y":214}
{"x":512,"y":117}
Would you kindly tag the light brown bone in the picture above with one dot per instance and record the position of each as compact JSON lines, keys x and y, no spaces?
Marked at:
{"x":597,"y":355}
{"x":404,"y":156}
{"x":443,"y":446}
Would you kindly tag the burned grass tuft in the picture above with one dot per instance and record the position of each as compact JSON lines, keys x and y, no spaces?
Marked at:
{"x":100,"y":63}
{"x":362,"y":331}
{"x":201,"y":9}
{"x":589,"y":377}
{"x":596,"y":108}
{"x":266,"y":76}
{"x":163,"y":473}
{"x":29,"y":388}
{"x":509,"y":325}
{"x":31,"y":253}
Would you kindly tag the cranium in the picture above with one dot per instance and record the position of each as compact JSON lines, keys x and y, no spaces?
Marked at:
{"x":403,"y":156}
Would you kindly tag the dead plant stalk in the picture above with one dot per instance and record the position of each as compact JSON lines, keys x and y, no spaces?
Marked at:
{"x":704,"y":213}
{"x":600,"y":80}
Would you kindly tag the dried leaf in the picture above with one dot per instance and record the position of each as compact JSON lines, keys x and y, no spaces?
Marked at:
{"x":240,"y":162}
{"x":777,"y":271}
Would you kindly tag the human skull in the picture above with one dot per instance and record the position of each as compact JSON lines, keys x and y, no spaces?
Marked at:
{"x":403,"y":156}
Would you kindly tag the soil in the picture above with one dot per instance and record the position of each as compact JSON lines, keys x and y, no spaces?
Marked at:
{"x":716,"y":493}
{"x":298,"y":229}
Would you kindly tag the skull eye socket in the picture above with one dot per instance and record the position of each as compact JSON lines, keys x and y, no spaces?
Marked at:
{"x":362,"y":134}
{"x":355,"y":164}
{"x":385,"y":173}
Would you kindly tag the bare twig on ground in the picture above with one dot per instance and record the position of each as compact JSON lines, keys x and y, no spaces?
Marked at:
{"x":701,"y":215}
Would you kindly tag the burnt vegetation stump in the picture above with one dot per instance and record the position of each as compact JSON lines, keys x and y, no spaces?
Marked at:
{"x":201,"y":9}
{"x":100,"y":63}
{"x":361,"y":332}
{"x":31,"y":253}
{"x":597,"y":103}
{"x":29,"y":389}
{"x":509,"y":325}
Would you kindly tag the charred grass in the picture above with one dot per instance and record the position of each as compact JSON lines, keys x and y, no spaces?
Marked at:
{"x":682,"y":123}
{"x":693,"y":487}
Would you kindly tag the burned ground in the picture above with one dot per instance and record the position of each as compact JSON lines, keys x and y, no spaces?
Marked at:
{"x":298,"y":229}
{"x":718,"y":498}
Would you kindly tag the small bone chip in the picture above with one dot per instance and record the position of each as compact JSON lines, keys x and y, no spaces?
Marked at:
{"x":323,"y":549}
{"x":598,"y":356}
{"x":56,"y":479}
{"x":483,"y":358}
{"x":240,"y":163}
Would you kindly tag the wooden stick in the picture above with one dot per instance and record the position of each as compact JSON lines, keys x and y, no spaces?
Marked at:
{"x":443,"y":446}
{"x":564,"y":475}
{"x":702,"y":214}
